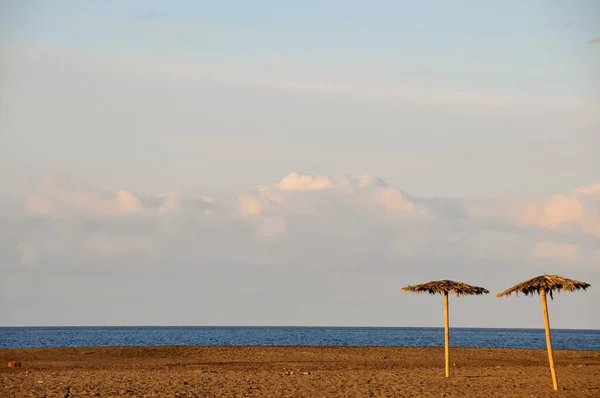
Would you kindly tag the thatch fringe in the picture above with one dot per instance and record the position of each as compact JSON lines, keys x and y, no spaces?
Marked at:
{"x":548,"y":283}
{"x":443,"y":286}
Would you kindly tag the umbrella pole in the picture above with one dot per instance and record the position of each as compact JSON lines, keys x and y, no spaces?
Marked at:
{"x":446,"y":335}
{"x":548,"y":339}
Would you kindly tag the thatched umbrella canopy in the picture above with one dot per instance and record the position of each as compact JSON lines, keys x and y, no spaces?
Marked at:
{"x":545,"y":283}
{"x":542,"y":285}
{"x":444,"y":287}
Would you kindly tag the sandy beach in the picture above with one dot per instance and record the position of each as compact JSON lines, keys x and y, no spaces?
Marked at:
{"x":294,"y":372}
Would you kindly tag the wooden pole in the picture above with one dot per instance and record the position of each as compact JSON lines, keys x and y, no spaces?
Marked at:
{"x":446,"y":335}
{"x":548,"y":339}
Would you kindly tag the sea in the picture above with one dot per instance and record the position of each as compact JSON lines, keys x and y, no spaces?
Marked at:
{"x":27,"y":337}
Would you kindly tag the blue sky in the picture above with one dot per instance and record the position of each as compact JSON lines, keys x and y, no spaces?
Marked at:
{"x":191,"y":120}
{"x":539,"y":51}
{"x":447,"y":42}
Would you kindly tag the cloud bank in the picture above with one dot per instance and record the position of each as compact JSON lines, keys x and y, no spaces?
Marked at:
{"x":317,"y":235}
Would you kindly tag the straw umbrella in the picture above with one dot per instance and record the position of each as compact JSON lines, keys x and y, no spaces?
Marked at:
{"x":443,"y":287}
{"x":542,"y":285}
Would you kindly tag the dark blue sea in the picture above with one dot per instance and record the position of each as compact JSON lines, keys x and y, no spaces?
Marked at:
{"x":21,"y":337}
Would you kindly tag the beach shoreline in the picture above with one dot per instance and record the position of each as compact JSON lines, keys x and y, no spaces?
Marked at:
{"x":294,"y":371}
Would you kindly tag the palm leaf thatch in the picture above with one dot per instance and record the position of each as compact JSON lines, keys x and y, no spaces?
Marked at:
{"x":445,"y":286}
{"x":546,"y":283}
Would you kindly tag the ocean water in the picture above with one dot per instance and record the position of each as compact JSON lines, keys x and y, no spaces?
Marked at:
{"x":21,"y":337}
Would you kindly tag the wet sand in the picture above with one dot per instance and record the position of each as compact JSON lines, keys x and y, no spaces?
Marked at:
{"x":294,"y":372}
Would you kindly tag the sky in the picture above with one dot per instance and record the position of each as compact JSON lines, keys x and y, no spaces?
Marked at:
{"x":262,"y":163}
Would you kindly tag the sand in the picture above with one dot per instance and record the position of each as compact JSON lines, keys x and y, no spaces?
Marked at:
{"x":294,"y":372}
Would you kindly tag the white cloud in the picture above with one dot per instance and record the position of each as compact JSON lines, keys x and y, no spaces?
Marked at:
{"x":393,"y":200}
{"x":581,"y":208}
{"x":250,"y":205}
{"x":172,"y":203}
{"x":126,"y":202}
{"x":561,"y":251}
{"x":297,"y":196}
{"x":298,"y":182}
{"x":305,"y":231}
{"x":60,"y":196}
{"x":593,"y":189}
{"x":56,"y":195}
{"x":554,"y":212}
